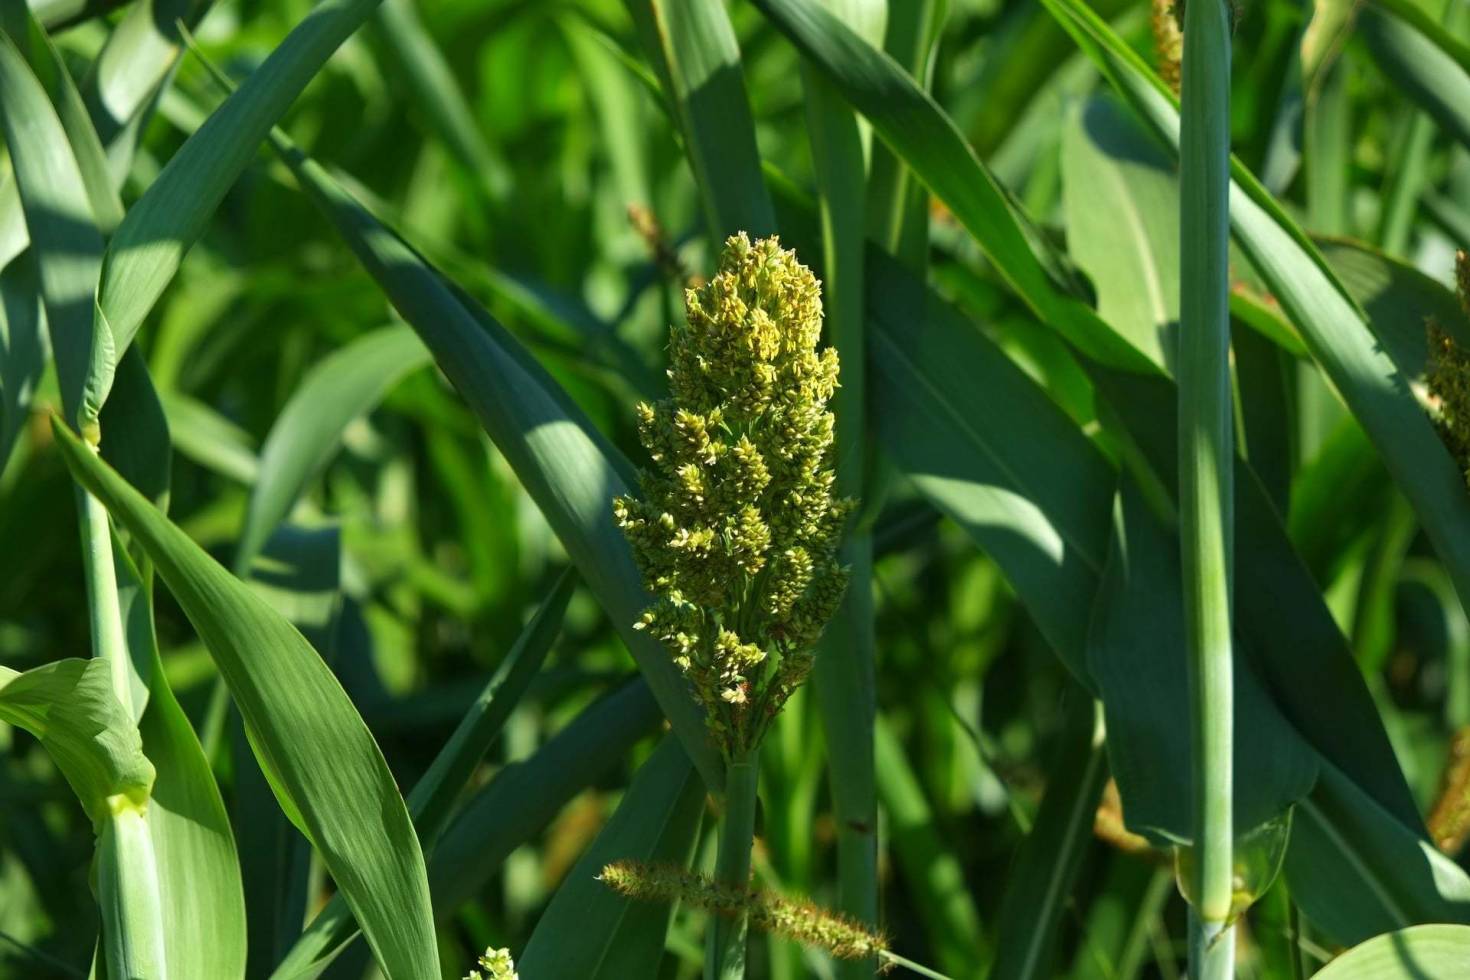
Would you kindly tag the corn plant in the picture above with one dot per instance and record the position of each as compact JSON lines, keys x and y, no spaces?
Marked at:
{"x":734,"y":489}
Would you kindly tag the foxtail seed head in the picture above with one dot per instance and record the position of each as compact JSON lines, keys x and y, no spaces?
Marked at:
{"x":737,"y":528}
{"x":803,"y":922}
{"x":1168,"y":41}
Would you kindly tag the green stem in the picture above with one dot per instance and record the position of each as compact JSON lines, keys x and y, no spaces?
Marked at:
{"x":893,"y":959}
{"x":108,"y":638}
{"x":1211,"y":949}
{"x":1206,"y":459}
{"x":844,"y":671}
{"x":725,"y":950}
{"x":129,"y":897}
{"x":128,"y":889}
{"x":1294,"y":928}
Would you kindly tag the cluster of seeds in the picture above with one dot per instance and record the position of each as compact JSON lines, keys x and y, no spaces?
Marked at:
{"x":800,"y":921}
{"x":737,"y":528}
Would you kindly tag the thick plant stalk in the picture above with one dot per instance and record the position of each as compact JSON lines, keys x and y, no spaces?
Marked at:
{"x":725,"y":953}
{"x":1205,"y":489}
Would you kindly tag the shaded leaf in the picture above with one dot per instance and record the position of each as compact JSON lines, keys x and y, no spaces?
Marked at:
{"x":591,"y":931}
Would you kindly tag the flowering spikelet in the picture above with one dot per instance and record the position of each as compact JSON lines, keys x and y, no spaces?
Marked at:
{"x":1168,"y":41}
{"x":495,"y":964}
{"x":1448,"y":377}
{"x":802,"y":922}
{"x":737,"y":528}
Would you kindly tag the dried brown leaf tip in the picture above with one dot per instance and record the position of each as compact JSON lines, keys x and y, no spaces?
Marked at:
{"x":799,"y":921}
{"x":737,"y":527}
{"x":1448,"y":377}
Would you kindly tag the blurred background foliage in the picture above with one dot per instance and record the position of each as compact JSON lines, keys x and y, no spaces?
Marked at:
{"x":523,"y":148}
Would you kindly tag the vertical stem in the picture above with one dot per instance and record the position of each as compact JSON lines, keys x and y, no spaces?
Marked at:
{"x":128,"y":888}
{"x":1326,"y":133}
{"x":725,"y":951}
{"x":129,"y":897}
{"x":1294,"y":925}
{"x":844,"y":672}
{"x":105,"y":614}
{"x":1205,"y":470}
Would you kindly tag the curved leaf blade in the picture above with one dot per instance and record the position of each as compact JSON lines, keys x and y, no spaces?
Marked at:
{"x":338,"y":389}
{"x":1408,"y":954}
{"x":1423,"y":60}
{"x":1356,"y":871}
{"x":164,"y":223}
{"x":566,"y":466}
{"x":325,"y":766}
{"x":909,"y":120}
{"x":1337,"y":332}
{"x":68,"y":246}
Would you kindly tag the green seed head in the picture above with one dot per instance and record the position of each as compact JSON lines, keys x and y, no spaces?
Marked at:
{"x":800,"y":921}
{"x":495,"y":964}
{"x":737,"y":528}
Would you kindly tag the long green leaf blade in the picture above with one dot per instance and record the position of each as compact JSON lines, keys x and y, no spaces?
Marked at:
{"x":1408,"y":954}
{"x":338,"y":389}
{"x":917,"y":130}
{"x":164,"y":223}
{"x":326,"y":769}
{"x":1051,"y":858}
{"x":693,"y":46}
{"x":1425,"y":61}
{"x":564,"y":463}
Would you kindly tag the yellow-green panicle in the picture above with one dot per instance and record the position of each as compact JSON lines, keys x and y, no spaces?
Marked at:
{"x":737,"y":530}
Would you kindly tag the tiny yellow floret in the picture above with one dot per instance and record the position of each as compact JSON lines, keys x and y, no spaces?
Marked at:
{"x":494,"y":964}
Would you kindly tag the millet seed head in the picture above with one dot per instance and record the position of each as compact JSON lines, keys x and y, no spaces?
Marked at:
{"x":736,"y":529}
